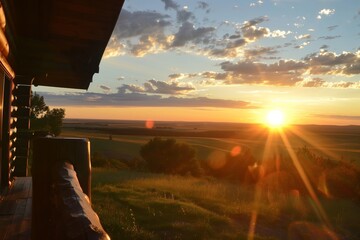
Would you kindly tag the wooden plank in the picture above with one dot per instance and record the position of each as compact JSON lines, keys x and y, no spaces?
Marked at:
{"x":15,"y":222}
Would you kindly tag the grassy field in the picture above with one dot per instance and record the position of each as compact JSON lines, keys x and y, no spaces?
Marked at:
{"x":135,"y":205}
{"x":339,"y":142}
{"x":141,"y":205}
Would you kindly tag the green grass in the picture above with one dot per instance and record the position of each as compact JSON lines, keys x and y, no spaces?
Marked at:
{"x":138,"y":205}
{"x":145,"y":206}
{"x":134,"y":205}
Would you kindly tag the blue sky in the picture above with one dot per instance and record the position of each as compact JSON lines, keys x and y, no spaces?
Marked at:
{"x":226,"y":61}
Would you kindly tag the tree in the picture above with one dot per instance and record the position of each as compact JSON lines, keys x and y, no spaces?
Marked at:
{"x":38,"y":106}
{"x":43,"y":118}
{"x":168,"y":156}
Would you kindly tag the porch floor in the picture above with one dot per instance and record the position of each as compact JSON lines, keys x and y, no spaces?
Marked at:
{"x":15,"y":210}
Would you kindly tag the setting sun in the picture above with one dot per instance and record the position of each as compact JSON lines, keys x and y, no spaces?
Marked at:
{"x":275,"y":118}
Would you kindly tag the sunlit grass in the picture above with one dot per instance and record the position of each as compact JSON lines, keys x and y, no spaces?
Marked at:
{"x":191,"y":208}
{"x":138,"y":205}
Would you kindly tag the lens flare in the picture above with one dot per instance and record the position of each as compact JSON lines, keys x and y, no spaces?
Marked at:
{"x":149,"y":124}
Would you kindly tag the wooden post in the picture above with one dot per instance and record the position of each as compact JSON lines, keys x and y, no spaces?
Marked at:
{"x":48,"y":154}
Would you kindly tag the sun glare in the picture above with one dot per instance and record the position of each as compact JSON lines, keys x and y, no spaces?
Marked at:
{"x":275,"y":118}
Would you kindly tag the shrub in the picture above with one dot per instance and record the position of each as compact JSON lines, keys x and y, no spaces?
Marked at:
{"x":99,"y":161}
{"x":168,"y":156}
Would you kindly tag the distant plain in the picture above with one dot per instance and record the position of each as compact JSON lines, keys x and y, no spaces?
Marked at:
{"x":340,"y":142}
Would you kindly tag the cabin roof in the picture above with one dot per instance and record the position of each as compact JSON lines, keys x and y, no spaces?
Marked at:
{"x":59,"y":43}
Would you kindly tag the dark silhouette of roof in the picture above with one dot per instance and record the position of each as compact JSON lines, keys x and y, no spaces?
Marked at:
{"x":59,"y":42}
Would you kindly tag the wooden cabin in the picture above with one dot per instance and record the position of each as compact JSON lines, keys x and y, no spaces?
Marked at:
{"x":46,"y":43}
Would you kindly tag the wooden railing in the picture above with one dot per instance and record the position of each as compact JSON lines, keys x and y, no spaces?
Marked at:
{"x":62,"y":191}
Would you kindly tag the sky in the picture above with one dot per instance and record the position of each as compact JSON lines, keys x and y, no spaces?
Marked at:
{"x":226,"y":61}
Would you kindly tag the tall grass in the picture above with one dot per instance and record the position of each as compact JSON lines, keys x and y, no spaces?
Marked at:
{"x":135,"y":205}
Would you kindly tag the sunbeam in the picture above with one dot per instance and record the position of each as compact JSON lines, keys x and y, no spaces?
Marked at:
{"x":307,"y":138}
{"x":315,"y":200}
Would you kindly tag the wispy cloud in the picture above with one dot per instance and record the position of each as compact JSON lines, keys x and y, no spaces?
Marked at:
{"x":341,"y":117}
{"x":121,"y":99}
{"x":329,"y":37}
{"x":159,"y":87}
{"x":105,"y":88}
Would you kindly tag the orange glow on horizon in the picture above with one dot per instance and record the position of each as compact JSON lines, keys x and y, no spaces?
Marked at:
{"x":275,"y":119}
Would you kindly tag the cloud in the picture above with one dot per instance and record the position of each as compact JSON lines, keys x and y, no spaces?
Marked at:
{"x":105,"y":88}
{"x":302,"y":45}
{"x":182,"y":15}
{"x":325,"y":12}
{"x":151,"y":44}
{"x":343,"y":117}
{"x":121,"y":99}
{"x":158,"y":87}
{"x":204,"y":5}
{"x":188,"y":33}
{"x":121,"y":78}
{"x":304,"y":36}
{"x":260,"y":51}
{"x":139,"y":23}
{"x":253,"y":33}
{"x":346,"y":63}
{"x":170,"y":4}
{"x":323,"y":47}
{"x":114,"y":48}
{"x":176,"y":76}
{"x":257,"y":3}
{"x":281,"y":73}
{"x":330,"y":28}
{"x":279,"y":33}
{"x":290,"y":72}
{"x":329,"y":37}
{"x":149,"y":27}
{"x":254,"y":21}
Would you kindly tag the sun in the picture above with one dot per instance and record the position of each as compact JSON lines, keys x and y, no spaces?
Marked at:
{"x":275,"y":119}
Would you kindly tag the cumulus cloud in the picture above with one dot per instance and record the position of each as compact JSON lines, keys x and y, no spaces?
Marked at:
{"x":345,"y":63}
{"x":170,"y":4}
{"x":148,"y":26}
{"x":291,"y":72}
{"x":182,"y":14}
{"x":279,"y":33}
{"x":114,"y":48}
{"x":304,"y":36}
{"x":257,"y":3}
{"x":325,"y":12}
{"x":285,"y":73}
{"x":188,"y":33}
{"x":253,"y":33}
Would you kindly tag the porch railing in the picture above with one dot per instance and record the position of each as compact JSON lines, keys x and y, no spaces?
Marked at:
{"x":61,"y":172}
